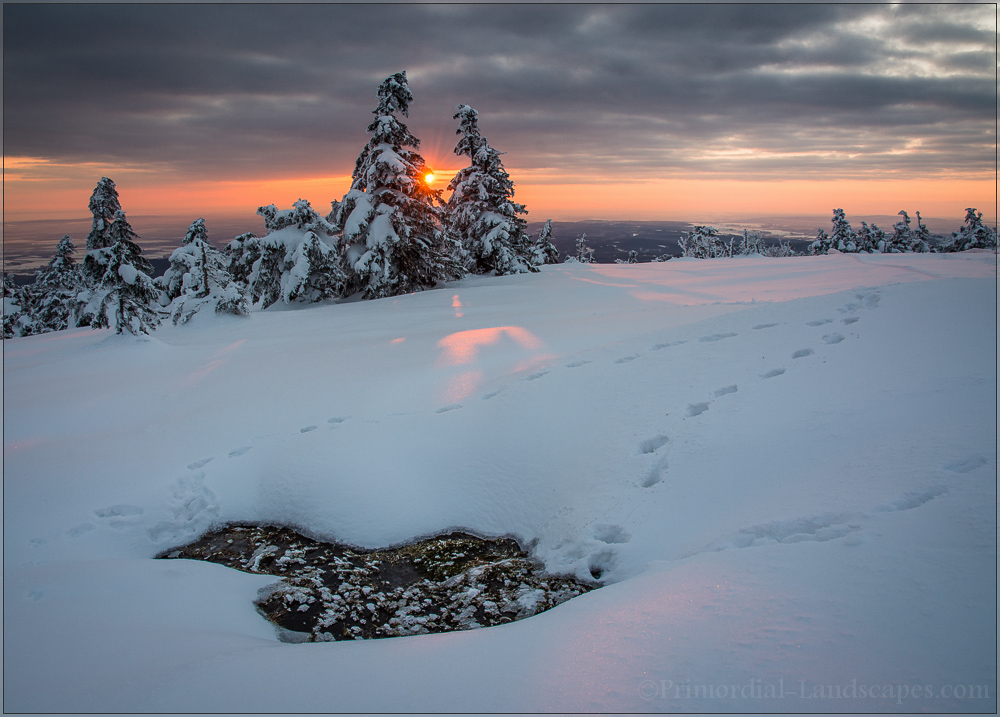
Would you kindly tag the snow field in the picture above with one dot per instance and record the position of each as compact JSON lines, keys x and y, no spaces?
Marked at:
{"x":784,"y":469}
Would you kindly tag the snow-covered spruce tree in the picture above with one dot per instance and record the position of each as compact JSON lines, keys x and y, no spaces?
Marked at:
{"x":54,"y":294}
{"x":17,"y":318}
{"x":104,"y":205}
{"x":198,"y":277}
{"x":481,"y":214}
{"x":392,"y":238}
{"x":822,"y":243}
{"x":125,"y":285}
{"x":544,"y":251}
{"x":705,"y":243}
{"x":843,"y":237}
{"x":973,"y":234}
{"x":921,"y":242}
{"x":296,"y":261}
{"x":584,"y":254}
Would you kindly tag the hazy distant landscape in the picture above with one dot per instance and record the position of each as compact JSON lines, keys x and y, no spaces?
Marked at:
{"x":28,"y":245}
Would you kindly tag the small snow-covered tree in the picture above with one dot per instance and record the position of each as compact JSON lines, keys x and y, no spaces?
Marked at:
{"x":54,"y":294}
{"x":544,"y":251}
{"x":822,"y":243}
{"x":843,"y":237}
{"x":752,"y":243}
{"x":392,"y":239}
{"x":17,"y":318}
{"x":481,"y":214}
{"x":198,"y":277}
{"x":584,"y":254}
{"x":296,"y":261}
{"x":125,"y":285}
{"x":921,"y":242}
{"x":704,"y":242}
{"x":973,"y":234}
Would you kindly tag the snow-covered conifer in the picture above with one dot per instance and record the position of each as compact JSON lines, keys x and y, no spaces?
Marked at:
{"x":973,"y":234}
{"x":843,"y":237}
{"x":198,"y":277}
{"x":752,"y":243}
{"x":125,"y":285}
{"x":104,"y":205}
{"x":17,"y":318}
{"x":704,"y":242}
{"x":481,"y":213}
{"x":54,"y":294}
{"x":584,"y":254}
{"x":544,"y":251}
{"x":921,"y":242}
{"x":822,"y":243}
{"x":392,"y":237}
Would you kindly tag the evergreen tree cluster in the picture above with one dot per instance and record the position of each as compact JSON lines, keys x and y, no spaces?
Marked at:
{"x":390,"y":234}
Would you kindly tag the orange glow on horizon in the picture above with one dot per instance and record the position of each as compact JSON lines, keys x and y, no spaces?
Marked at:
{"x":38,"y":189}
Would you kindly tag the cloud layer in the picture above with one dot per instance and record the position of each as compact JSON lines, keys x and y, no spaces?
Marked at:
{"x":569,"y":91}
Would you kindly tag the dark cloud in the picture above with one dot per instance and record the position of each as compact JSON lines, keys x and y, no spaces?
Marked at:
{"x":216,"y":90}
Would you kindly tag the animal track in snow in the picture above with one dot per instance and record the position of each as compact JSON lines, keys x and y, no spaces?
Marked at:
{"x":577,"y":364}
{"x":966,"y":465}
{"x":912,"y":500}
{"x":116,"y":511}
{"x":870,"y":299}
{"x":655,"y":475}
{"x":802,"y":352}
{"x":239,"y":451}
{"x":488,"y":396}
{"x":764,"y":326}
{"x":626,"y":359}
{"x":850,"y":320}
{"x":818,"y":528}
{"x":610,"y":533}
{"x":819,"y":322}
{"x":696,"y":409}
{"x":307,"y":429}
{"x":336,"y":420}
{"x":652,"y":445}
{"x":198,"y":464}
{"x":833,"y":338}
{"x":717,"y":337}
{"x":533,"y":376}
{"x":772,"y":373}
{"x":666,"y":345}
{"x":452,"y":407}
{"x":725,"y":390}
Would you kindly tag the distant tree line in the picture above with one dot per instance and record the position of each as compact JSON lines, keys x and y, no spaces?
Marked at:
{"x":390,"y":234}
{"x":704,"y":242}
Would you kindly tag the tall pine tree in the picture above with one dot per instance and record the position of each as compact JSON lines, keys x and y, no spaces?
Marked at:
{"x":481,"y":212}
{"x":392,"y":238}
{"x":125,"y":285}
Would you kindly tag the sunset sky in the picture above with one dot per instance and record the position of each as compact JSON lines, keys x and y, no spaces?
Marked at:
{"x":684,"y":112}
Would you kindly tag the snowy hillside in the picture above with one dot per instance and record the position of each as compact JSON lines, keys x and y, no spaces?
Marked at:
{"x":782,"y":469}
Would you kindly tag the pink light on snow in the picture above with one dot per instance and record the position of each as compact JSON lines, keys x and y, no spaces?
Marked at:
{"x":462,"y":347}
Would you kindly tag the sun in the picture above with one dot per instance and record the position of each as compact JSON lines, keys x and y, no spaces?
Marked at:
{"x":429,"y":178}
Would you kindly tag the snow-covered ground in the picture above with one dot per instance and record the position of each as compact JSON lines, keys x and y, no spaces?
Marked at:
{"x":783,"y":468}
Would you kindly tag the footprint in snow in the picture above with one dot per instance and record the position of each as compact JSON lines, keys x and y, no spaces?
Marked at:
{"x":652,"y":445}
{"x":696,"y":409}
{"x":764,"y":326}
{"x":198,"y":464}
{"x":717,"y":337}
{"x":802,"y":353}
{"x":534,"y":376}
{"x":119,"y":516}
{"x":494,"y":394}
{"x":912,"y":500}
{"x":850,"y":320}
{"x":610,"y":534}
{"x":336,"y":420}
{"x":772,"y":373}
{"x":77,"y":531}
{"x":725,"y":390}
{"x":307,"y":429}
{"x":819,"y":322}
{"x":577,"y":364}
{"x":452,"y":407}
{"x":239,"y":451}
{"x":833,"y":338}
{"x":667,"y":345}
{"x":626,"y":359}
{"x":966,"y":465}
